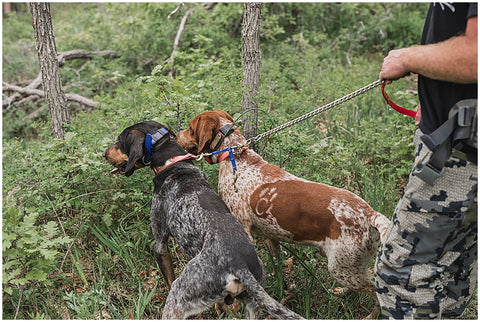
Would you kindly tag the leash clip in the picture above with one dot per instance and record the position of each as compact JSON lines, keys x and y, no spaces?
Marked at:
{"x":145,"y":162}
{"x":428,"y":173}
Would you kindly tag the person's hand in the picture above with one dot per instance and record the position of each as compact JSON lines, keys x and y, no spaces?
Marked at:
{"x":393,"y":67}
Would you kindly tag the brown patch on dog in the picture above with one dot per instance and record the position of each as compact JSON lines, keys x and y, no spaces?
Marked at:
{"x":298,"y":209}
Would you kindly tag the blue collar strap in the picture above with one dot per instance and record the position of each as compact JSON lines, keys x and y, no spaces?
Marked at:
{"x":231,"y":153}
{"x":150,"y":141}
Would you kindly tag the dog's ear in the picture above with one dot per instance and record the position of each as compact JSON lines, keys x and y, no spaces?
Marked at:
{"x":134,"y":142}
{"x":225,"y":115}
{"x":207,"y":127}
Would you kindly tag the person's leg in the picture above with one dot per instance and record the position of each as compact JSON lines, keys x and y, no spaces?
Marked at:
{"x":461,"y":276}
{"x":423,"y":241}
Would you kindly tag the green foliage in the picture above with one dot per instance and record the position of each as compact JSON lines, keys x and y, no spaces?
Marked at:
{"x":30,"y":250}
{"x":85,"y":306}
{"x":19,"y":58}
{"x":354,"y":27}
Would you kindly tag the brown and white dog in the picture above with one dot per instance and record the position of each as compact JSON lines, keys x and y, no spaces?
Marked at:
{"x":273,"y":203}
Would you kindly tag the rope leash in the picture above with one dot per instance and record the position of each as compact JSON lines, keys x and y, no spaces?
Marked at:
{"x":238,"y":149}
{"x":315,"y":112}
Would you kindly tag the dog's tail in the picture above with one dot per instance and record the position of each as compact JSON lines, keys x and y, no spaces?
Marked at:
{"x":381,"y":223}
{"x":263,"y":300}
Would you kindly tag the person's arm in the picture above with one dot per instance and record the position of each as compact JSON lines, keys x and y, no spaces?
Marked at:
{"x":453,"y":60}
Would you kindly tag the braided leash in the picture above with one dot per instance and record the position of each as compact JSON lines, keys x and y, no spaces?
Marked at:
{"x":315,"y":112}
{"x":239,"y":149}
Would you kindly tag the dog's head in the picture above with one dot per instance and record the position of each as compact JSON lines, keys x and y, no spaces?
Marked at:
{"x":202,"y":130}
{"x":128,"y":153}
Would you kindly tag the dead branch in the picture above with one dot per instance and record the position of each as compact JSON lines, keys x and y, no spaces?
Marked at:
{"x":175,"y":10}
{"x":62,"y":58}
{"x":80,"y":53}
{"x":180,"y":31}
{"x":32,"y":91}
{"x":208,"y":5}
{"x":15,"y":97}
{"x":28,"y":98}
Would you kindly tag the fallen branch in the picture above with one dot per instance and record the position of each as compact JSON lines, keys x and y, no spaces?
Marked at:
{"x":62,"y":58}
{"x":32,"y":91}
{"x":35,"y":114}
{"x":15,"y":97}
{"x":28,"y":98}
{"x":80,"y":53}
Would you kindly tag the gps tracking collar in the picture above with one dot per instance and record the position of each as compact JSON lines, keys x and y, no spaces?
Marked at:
{"x":150,"y":141}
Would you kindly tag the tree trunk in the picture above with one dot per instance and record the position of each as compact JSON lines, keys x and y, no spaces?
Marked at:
{"x":252,"y":57}
{"x":47,"y":57}
{"x":7,"y":8}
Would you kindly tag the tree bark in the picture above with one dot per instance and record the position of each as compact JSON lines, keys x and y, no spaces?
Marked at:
{"x":48,"y":61}
{"x":251,"y":57}
{"x":7,"y":8}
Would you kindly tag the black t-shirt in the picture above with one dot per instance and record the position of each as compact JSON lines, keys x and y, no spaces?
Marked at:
{"x":444,"y":20}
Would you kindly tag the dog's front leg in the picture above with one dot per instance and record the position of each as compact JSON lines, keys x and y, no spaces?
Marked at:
{"x":164,"y":260}
{"x":273,"y":247}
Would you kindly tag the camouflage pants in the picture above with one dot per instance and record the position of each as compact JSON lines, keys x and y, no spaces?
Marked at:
{"x":427,"y":264}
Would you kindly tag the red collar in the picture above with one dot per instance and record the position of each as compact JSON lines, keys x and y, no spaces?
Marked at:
{"x":172,"y":161}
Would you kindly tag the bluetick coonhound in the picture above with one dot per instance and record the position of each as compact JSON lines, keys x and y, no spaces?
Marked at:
{"x":223,"y":263}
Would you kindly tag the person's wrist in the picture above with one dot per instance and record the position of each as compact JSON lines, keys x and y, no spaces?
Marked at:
{"x":406,"y":60}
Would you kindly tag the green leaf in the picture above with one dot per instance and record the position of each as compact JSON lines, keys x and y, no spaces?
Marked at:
{"x":51,"y":229}
{"x":69,"y":137}
{"x":20,"y":281}
{"x":36,"y":275}
{"x":48,"y":253}
{"x":7,"y":239}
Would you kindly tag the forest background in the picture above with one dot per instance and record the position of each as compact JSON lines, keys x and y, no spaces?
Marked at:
{"x":76,"y":241}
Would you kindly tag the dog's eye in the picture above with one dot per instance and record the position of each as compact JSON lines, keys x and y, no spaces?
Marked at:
{"x":190,"y":129}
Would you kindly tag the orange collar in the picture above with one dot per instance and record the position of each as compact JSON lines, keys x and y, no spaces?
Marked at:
{"x":223,"y":156}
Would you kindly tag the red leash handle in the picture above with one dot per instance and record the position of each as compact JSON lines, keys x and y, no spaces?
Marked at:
{"x":397,"y":108}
